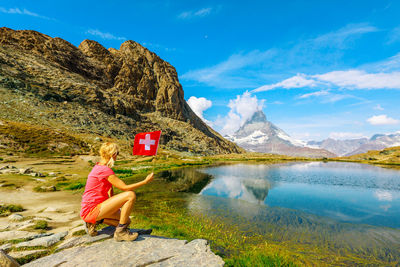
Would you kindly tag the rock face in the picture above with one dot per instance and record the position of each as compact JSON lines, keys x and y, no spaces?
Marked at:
{"x":259,"y":135}
{"x":89,"y":88}
{"x":145,"y":251}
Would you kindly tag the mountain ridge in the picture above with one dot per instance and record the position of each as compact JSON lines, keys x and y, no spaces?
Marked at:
{"x":351,"y":147}
{"x":110,"y":92}
{"x":258,"y":134}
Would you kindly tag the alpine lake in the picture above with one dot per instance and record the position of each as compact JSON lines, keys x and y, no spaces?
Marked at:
{"x":307,"y":213}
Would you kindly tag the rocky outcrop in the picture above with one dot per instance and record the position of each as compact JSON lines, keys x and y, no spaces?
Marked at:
{"x":110,"y":92}
{"x":145,"y":251}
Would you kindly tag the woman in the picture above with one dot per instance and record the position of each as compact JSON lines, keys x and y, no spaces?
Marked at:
{"x":98,"y":203}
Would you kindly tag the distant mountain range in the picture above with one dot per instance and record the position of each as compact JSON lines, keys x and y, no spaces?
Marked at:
{"x":356,"y":146}
{"x":259,"y":135}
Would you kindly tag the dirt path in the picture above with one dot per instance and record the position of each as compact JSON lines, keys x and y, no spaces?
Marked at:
{"x":64,"y":205}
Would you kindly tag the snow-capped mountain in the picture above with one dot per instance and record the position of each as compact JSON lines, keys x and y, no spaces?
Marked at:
{"x":357,"y":146}
{"x":259,"y":135}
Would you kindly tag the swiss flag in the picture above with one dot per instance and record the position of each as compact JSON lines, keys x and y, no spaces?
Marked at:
{"x":146,"y":144}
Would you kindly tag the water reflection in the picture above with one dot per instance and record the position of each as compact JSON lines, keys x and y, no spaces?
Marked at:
{"x":289,"y":225}
{"x":345,"y":192}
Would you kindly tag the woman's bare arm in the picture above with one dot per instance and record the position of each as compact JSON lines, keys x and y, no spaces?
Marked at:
{"x":118,"y":183}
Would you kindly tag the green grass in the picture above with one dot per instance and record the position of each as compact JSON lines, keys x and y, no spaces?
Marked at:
{"x":40,"y":224}
{"x":75,"y":186}
{"x":79,"y":233}
{"x":44,"y":188}
{"x":258,"y":259}
{"x":6,"y":209}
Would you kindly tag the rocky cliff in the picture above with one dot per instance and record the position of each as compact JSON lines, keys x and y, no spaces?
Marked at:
{"x":91,"y":89}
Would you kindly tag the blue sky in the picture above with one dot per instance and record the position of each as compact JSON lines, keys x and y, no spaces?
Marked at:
{"x":317,"y":69}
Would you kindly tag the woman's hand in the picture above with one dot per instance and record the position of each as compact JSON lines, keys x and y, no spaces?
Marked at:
{"x":149,"y":178}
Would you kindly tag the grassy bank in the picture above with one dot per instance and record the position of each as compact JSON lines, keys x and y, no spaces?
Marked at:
{"x":163,"y":206}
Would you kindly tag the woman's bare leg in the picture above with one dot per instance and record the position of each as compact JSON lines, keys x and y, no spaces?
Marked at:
{"x":113,"y":219}
{"x":110,"y":206}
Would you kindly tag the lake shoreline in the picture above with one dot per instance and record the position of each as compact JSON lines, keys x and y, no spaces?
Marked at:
{"x":246,"y":249}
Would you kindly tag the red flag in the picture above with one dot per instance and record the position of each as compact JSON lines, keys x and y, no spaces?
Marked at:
{"x":146,"y":144}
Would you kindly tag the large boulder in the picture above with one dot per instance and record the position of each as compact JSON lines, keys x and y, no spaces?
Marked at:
{"x":145,"y":251}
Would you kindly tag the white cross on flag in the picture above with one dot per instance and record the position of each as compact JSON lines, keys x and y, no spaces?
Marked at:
{"x":146,"y":144}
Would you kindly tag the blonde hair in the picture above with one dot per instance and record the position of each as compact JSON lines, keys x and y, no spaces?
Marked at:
{"x":107,"y":151}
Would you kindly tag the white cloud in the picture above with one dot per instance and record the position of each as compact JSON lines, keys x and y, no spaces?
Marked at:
{"x":22,"y":11}
{"x":386,"y":65}
{"x":195,"y":13}
{"x":247,"y":70}
{"x":199,"y":105}
{"x":318,"y":93}
{"x":359,"y":79}
{"x":241,"y":109}
{"x":343,"y":36}
{"x":104,"y":35}
{"x":297,"y":81}
{"x":382,"y":120}
{"x":348,"y":79}
{"x":326,"y":96}
{"x":229,"y":74}
{"x":378,"y":107}
{"x":345,"y":135}
{"x":383,"y":195}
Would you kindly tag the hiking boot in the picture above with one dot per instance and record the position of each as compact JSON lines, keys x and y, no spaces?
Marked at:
{"x":90,"y":228}
{"x":122,"y":233}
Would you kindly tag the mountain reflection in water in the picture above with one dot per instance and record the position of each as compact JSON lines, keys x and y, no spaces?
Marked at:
{"x":346,"y":192}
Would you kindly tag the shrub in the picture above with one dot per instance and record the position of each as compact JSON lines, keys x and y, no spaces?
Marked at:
{"x":41,"y":224}
{"x":10,"y":208}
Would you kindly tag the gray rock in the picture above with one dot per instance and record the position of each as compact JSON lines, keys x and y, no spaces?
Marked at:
{"x":21,"y":254}
{"x":10,"y":235}
{"x":7,"y":261}
{"x":15,"y":225}
{"x":76,"y":241}
{"x":52,"y":174}
{"x":145,"y":251}
{"x":15,"y":217}
{"x":46,"y":241}
{"x":25,"y":170}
